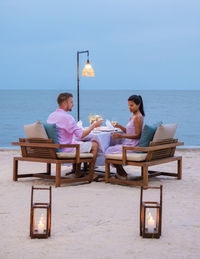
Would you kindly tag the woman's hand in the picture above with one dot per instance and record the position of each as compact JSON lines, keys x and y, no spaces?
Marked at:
{"x":115,"y":124}
{"x":117,"y":135}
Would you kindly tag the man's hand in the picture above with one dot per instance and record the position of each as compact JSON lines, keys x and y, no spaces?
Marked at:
{"x":91,"y":127}
{"x":97,"y":123}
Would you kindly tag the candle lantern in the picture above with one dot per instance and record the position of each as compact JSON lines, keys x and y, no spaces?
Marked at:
{"x":40,"y":221}
{"x":150,"y":216}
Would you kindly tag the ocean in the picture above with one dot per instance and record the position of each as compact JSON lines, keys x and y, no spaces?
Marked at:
{"x":21,"y":107}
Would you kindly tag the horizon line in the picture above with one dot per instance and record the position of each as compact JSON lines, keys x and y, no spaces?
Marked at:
{"x":72,"y":89}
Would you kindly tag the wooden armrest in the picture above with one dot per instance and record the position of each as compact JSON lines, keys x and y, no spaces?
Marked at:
{"x":144,"y":149}
{"x":49,"y":145}
{"x":147,"y":149}
{"x":158,"y":147}
{"x":25,"y":144}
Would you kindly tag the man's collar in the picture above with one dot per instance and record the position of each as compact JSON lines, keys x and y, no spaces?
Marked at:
{"x":60,"y":110}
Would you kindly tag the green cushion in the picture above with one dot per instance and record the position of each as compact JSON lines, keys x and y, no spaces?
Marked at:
{"x":148,"y":134}
{"x":51,"y":131}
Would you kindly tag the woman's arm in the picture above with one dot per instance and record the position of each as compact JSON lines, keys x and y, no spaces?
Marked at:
{"x":138,"y":122}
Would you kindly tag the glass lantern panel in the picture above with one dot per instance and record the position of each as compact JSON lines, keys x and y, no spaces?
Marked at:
{"x":40,"y":220}
{"x":150,"y":220}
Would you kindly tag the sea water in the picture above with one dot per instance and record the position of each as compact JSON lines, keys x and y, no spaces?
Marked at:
{"x":20,"y":107}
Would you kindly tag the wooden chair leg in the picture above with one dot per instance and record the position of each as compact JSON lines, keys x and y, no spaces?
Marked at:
{"x":91,"y":172}
{"x":15,"y":169}
{"x":142,"y":172}
{"x":145,"y":175}
{"x":85,"y":166}
{"x":74,"y":167}
{"x":48,"y":168}
{"x":107,"y":172}
{"x":58,"y":173}
{"x":179,"y":164}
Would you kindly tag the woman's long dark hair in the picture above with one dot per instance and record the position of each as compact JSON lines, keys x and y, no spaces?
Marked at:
{"x":137,"y":99}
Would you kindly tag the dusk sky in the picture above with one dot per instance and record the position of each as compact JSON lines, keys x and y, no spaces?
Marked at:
{"x":133,"y":44}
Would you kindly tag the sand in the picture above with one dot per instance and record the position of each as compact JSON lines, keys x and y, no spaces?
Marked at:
{"x":100,"y":220}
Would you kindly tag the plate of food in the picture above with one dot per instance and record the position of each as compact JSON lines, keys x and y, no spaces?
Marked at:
{"x":105,"y":129}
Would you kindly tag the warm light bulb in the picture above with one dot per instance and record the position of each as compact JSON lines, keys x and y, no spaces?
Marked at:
{"x":88,"y":70}
{"x":88,"y":66}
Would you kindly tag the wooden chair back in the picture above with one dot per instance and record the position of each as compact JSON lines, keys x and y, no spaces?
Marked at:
{"x":163,"y":153}
{"x":38,"y":152}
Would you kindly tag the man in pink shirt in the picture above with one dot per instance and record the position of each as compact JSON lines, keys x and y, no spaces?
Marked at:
{"x":67,"y":128}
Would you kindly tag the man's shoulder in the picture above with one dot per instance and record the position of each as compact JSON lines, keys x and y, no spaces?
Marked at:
{"x":64,"y":115}
{"x":67,"y":116}
{"x":60,"y":116}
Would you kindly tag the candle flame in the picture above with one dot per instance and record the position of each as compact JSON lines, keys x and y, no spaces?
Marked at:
{"x":151,"y":221}
{"x":41,"y":224}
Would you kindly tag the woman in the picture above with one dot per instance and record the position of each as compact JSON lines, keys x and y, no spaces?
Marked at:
{"x":131,"y":134}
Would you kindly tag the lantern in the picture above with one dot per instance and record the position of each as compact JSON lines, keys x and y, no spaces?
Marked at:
{"x":150,"y":216}
{"x":40,"y":221}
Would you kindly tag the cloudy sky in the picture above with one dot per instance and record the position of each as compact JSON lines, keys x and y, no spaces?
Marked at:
{"x":133,"y":44}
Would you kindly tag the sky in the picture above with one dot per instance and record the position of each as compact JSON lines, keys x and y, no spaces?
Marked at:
{"x":133,"y":44}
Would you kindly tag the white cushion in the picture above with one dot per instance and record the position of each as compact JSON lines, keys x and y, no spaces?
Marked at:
{"x":130,"y":156}
{"x":165,"y":131}
{"x":35,"y":130}
{"x":73,"y":155}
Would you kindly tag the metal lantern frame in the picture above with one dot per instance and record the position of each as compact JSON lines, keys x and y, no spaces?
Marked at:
{"x":34,"y":233}
{"x":91,"y":75}
{"x":150,"y":205}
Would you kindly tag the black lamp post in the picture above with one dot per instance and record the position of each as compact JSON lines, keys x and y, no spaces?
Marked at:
{"x":87,"y":71}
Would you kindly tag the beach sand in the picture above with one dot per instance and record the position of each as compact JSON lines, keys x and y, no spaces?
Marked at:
{"x":100,"y":220}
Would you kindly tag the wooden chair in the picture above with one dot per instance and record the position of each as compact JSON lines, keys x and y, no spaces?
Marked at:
{"x":44,"y":151}
{"x":157,"y":153}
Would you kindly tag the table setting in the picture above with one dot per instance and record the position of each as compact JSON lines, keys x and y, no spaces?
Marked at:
{"x":103,"y":135}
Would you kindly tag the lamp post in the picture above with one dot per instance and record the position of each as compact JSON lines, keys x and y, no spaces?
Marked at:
{"x":87,"y":71}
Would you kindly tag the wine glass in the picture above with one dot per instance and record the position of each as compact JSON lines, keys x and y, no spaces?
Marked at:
{"x":114,"y":123}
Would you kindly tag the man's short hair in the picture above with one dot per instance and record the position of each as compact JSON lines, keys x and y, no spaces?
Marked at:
{"x":63,"y":97}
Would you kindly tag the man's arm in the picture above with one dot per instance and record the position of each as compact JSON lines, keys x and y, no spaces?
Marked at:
{"x":91,"y":127}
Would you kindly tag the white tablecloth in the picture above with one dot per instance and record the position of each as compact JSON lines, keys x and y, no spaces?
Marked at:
{"x":105,"y":140}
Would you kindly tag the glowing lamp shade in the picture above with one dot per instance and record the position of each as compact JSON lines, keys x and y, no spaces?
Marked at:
{"x":88,"y":70}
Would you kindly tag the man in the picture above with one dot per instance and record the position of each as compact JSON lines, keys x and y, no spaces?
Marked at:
{"x":67,"y":129}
